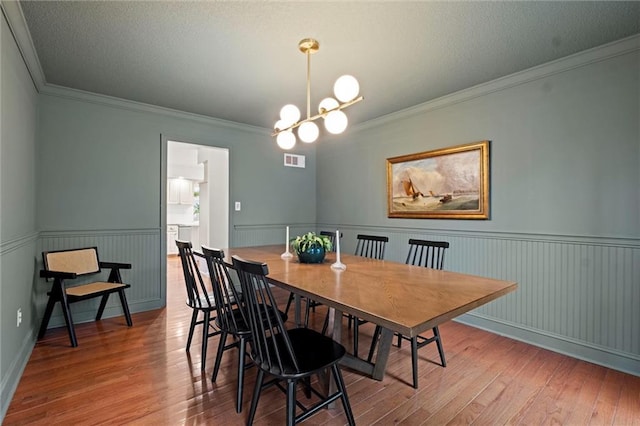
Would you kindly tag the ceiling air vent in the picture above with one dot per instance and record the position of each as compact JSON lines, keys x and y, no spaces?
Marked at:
{"x":293,"y":160}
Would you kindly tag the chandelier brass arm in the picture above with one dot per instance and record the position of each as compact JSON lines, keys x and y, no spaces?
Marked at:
{"x":323,"y":113}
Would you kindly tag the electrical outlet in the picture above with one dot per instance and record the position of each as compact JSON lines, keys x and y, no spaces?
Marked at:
{"x":19,"y":317}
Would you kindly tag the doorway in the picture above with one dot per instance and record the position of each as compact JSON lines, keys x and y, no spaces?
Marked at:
{"x":197,"y":195}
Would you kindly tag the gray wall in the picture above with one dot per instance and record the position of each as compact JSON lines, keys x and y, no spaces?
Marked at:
{"x":18,"y":233}
{"x":565,"y":198}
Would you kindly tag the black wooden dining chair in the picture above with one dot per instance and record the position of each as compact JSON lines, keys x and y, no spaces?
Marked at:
{"x":199,"y":298}
{"x":331,"y":236}
{"x":371,"y":246}
{"x":287,"y":355}
{"x":429,"y":254}
{"x":230,"y":318}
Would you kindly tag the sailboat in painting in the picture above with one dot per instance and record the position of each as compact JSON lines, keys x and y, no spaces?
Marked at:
{"x":410,"y":189}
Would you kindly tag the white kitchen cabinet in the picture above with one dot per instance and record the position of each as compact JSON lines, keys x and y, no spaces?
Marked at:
{"x":180,"y":191}
{"x":172,"y":236}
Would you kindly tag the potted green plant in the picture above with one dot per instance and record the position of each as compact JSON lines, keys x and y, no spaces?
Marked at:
{"x":311,"y":248}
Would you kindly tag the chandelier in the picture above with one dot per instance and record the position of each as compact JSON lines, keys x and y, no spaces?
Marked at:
{"x":346,"y":89}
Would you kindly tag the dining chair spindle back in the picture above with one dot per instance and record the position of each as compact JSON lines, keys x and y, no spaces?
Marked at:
{"x":199,"y":298}
{"x":286,"y":355}
{"x":332,"y":238}
{"x":371,"y":246}
{"x":429,"y":254}
{"x":230,"y":319}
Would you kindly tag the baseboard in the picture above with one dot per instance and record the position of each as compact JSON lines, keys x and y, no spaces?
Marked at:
{"x":57,"y":320}
{"x":11,"y":380}
{"x":626,"y":363}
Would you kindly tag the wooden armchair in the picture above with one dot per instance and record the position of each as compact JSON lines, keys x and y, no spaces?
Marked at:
{"x":66,"y":265}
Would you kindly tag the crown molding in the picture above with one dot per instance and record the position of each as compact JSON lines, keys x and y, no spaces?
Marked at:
{"x":111,"y":101}
{"x":18,"y":26}
{"x":577,"y":60}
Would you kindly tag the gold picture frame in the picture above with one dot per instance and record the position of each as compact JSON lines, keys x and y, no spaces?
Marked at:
{"x":448,"y":183}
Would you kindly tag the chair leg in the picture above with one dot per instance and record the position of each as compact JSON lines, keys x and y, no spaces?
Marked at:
{"x":216,"y":367}
{"x":103,"y":303}
{"x":125,"y":307}
{"x":436,"y":332}
{"x":289,"y":301}
{"x":356,"y":326}
{"x":414,"y":361}
{"x":307,"y":313}
{"x":374,"y":342}
{"x":194,"y":320}
{"x":325,"y":325}
{"x":291,"y":402}
{"x":241,"y":359}
{"x":337,"y":375}
{"x":47,"y":316}
{"x":205,"y":339}
{"x":64,"y":304}
{"x":256,"y":396}
{"x":307,"y":386}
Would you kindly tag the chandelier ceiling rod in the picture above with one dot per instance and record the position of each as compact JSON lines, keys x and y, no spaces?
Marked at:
{"x":308,"y":51}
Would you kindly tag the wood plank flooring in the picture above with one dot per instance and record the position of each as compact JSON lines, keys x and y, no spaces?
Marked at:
{"x":143,"y":375}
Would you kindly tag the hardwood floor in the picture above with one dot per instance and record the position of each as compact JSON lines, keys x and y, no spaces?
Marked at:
{"x":143,"y":375}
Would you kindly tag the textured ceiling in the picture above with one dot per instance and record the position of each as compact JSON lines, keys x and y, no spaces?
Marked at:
{"x":239,"y":60}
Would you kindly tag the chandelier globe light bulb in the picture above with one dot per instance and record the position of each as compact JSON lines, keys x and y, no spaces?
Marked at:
{"x":327,"y":104}
{"x":336,"y":122}
{"x":290,"y":114}
{"x":281,"y":125}
{"x":286,"y":140}
{"x":346,"y":88}
{"x":308,"y":132}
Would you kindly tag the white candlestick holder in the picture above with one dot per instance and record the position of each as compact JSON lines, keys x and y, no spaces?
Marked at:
{"x":287,"y":254}
{"x":338,"y":266}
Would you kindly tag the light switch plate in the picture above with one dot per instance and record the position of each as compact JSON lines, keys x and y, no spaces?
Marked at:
{"x":238,"y":206}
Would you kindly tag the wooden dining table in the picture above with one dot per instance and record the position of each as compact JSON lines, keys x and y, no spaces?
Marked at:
{"x":398,"y":297}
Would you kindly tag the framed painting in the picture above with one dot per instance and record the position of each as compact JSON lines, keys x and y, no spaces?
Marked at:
{"x":448,"y":183}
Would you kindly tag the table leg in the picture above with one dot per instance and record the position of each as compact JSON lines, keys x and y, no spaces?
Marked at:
{"x":382,"y":356}
{"x":375,"y":370}
{"x":335,"y":324}
{"x":334,"y":330}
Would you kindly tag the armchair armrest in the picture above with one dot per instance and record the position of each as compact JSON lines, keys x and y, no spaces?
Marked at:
{"x":115,"y":265}
{"x":44,"y":273}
